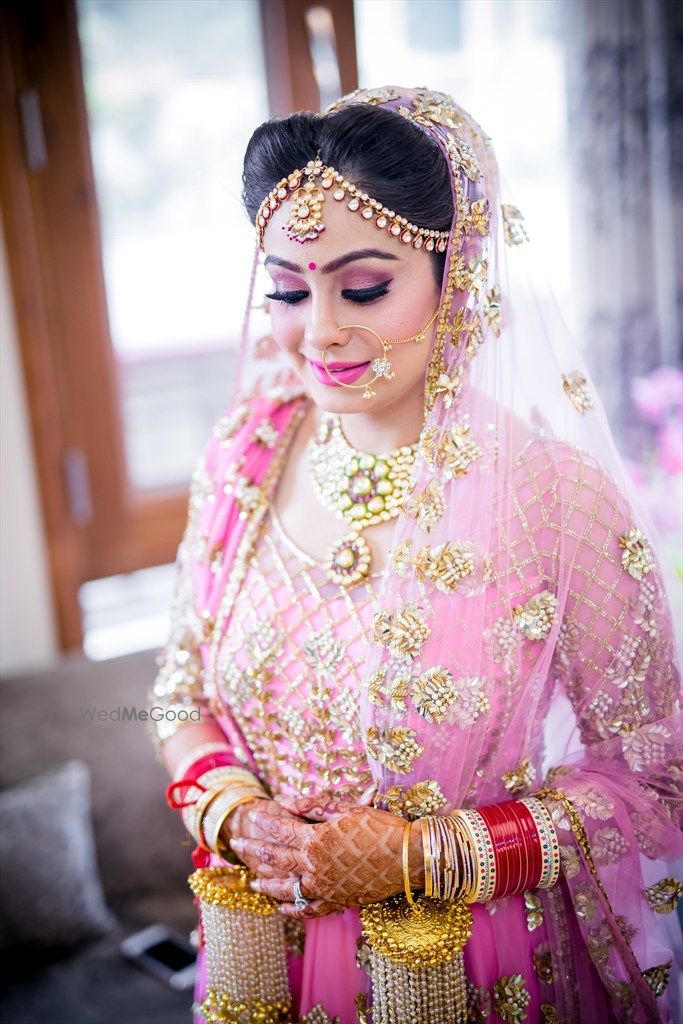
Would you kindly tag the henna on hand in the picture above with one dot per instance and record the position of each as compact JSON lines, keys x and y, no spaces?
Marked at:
{"x":353,"y":858}
{"x":238,"y":826}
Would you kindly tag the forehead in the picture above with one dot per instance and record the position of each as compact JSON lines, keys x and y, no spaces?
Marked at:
{"x":344,"y":232}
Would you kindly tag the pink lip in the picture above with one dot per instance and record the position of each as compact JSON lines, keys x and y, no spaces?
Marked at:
{"x":343,"y":373}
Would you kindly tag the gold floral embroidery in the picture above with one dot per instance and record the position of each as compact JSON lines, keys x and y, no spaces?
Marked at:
{"x":658,"y":978}
{"x":575,"y":387}
{"x":543,"y":964}
{"x":263,"y":643}
{"x":463,"y":157}
{"x":621,"y":992}
{"x":569,"y":859}
{"x":445,"y":565}
{"x":214,"y":558}
{"x":471,"y":700}
{"x":374,"y":97}
{"x":534,"y":910}
{"x":636,"y":556}
{"x":549,"y":1014}
{"x":398,"y":692}
{"x":431,"y":107}
{"x":322,"y":652}
{"x":395,"y":747}
{"x":449,"y":387}
{"x":403,"y":632}
{"x":608,"y":845}
{"x":266,"y":434}
{"x":594,"y":803}
{"x":494,"y":310}
{"x":501,"y":642}
{"x":478,"y":217}
{"x":429,"y":448}
{"x":478,"y":1003}
{"x":248,"y":495}
{"x":417,"y":801}
{"x":434,"y":693}
{"x":520,"y":778}
{"x":428,"y":507}
{"x":202,"y":488}
{"x":227,"y":426}
{"x":471,"y":278}
{"x":535,"y":618}
{"x":362,"y":1008}
{"x":646,"y":609}
{"x":514,"y":226}
{"x":510,"y":998}
{"x":646,"y":746}
{"x":600,"y":942}
{"x":401,"y":561}
{"x":460,"y":450}
{"x":663,"y":896}
{"x":584,"y":901}
{"x":376,"y":686}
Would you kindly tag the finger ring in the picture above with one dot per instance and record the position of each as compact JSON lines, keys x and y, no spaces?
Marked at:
{"x":300,"y":901}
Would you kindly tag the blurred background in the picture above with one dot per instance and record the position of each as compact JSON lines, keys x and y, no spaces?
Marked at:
{"x":125,"y":256}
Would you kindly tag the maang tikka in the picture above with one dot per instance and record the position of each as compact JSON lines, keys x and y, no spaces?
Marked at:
{"x":307,"y":188}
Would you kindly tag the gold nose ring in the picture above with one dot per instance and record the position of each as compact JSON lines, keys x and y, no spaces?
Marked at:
{"x":382,"y":365}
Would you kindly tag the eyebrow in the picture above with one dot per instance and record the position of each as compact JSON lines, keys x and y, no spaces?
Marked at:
{"x":341,"y":261}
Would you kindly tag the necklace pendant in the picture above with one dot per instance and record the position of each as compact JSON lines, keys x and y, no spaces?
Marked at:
{"x":348,"y":561}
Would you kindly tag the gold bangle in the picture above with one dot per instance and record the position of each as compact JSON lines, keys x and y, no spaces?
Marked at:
{"x":427,"y":856}
{"x":406,"y":863}
{"x":221,"y":808}
{"x":192,"y":815}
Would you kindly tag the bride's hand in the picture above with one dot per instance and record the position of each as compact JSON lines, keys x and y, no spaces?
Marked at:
{"x":351,"y":856}
{"x":239,"y":827}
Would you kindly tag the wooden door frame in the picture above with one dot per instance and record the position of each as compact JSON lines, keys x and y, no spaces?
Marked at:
{"x":52,"y":231}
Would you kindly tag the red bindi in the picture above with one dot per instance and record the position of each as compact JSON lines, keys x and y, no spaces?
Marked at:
{"x":311,"y":266}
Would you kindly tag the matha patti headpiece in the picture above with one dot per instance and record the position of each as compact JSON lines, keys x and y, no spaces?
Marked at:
{"x":305,"y":221}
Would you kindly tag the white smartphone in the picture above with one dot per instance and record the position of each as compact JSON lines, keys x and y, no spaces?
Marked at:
{"x":165,"y":953}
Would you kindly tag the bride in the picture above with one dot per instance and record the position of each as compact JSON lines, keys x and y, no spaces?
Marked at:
{"x":435,"y":776}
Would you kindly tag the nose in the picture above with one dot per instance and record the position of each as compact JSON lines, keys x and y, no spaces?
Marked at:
{"x":321,"y":331}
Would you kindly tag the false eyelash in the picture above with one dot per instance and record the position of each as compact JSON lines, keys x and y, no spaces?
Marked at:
{"x":359,"y":296}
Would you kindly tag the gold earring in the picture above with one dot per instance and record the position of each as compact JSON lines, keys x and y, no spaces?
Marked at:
{"x":382,"y":365}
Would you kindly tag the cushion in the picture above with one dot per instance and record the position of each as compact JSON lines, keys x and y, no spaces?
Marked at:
{"x":51,"y":893}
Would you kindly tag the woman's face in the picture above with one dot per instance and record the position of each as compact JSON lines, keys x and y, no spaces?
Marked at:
{"x":352,"y":273}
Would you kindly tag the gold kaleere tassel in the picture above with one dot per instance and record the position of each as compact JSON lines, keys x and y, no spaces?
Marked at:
{"x":416,"y":961}
{"x":245,"y":950}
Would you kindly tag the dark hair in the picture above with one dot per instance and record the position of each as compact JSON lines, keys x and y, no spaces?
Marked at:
{"x":382,"y":153}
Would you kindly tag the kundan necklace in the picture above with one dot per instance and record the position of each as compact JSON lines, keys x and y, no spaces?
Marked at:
{"x":361,"y":489}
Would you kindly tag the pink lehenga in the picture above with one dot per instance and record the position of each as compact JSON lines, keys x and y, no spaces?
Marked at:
{"x":518,"y":642}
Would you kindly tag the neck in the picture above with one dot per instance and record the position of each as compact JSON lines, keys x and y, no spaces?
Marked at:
{"x":382,"y":430}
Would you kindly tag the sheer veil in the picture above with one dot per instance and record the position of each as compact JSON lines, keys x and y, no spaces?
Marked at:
{"x":524,"y":637}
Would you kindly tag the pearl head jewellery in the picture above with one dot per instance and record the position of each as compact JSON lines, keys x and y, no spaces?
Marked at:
{"x":305,"y":221}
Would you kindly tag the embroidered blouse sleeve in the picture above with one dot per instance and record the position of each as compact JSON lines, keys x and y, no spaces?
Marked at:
{"x":616,"y":803}
{"x":177,"y":696}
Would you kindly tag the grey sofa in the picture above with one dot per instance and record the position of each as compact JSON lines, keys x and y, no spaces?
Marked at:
{"x":143,"y":853}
